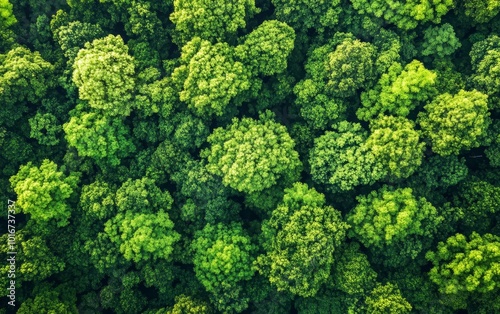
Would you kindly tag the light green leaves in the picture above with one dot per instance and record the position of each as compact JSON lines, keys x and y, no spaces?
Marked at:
{"x":455,"y":122}
{"x":385,"y":299}
{"x":340,"y":159}
{"x":42,"y":192}
{"x":24,"y":77}
{"x":104,"y":74}
{"x":211,"y":20}
{"x":385,"y":217}
{"x":394,"y":143}
{"x":462,"y":266}
{"x":143,"y":236}
{"x":214,"y":76}
{"x":223,"y":259}
{"x":101,"y":137}
{"x":253,"y":155}
{"x":399,"y":91}
{"x":405,"y":14}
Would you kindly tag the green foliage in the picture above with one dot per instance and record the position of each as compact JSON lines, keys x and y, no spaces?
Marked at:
{"x":223,"y":258}
{"x":7,"y":19}
{"x":266,"y":49}
{"x":386,"y":216}
{"x":142,"y":195}
{"x":39,"y":262}
{"x":481,"y":11}
{"x":304,"y":14}
{"x":405,"y":14}
{"x":299,"y":239}
{"x":480,"y":202}
{"x":466,"y":267}
{"x":335,"y":70}
{"x":317,"y":108}
{"x":72,"y":37}
{"x":45,"y":129}
{"x":493,"y":152}
{"x":196,"y":156}
{"x":24,"y":79}
{"x":211,"y":20}
{"x":43,"y":191}
{"x":455,"y":122}
{"x":212,"y":77}
{"x":440,"y":41}
{"x":352,"y":273}
{"x":187,"y":305}
{"x":98,"y":199}
{"x":252,"y":155}
{"x":442,"y":172}
{"x":399,"y":91}
{"x":350,"y":66}
{"x":387,"y":299}
{"x":142,"y":236}
{"x":48,"y":301}
{"x":103,"y":138}
{"x":395,"y":145}
{"x":105,"y":75}
{"x":485,"y":56}
{"x":341,"y":161}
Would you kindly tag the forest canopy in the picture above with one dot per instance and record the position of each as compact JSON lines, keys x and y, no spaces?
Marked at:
{"x":250,"y":156}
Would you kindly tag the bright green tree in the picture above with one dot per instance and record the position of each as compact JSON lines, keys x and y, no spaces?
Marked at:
{"x":405,"y":14}
{"x":467,"y":266}
{"x":103,"y":138}
{"x":222,"y":261}
{"x":455,"y":122}
{"x":399,"y":91}
{"x":25,"y":78}
{"x":253,"y":155}
{"x":340,"y":160}
{"x":299,"y":239}
{"x":211,"y":20}
{"x":43,"y":191}
{"x":7,"y":19}
{"x":212,"y":77}
{"x":387,"y":299}
{"x":387,"y":217}
{"x":396,"y":145}
{"x":266,"y":49}
{"x":143,"y":236}
{"x":105,"y":75}
{"x":188,"y":305}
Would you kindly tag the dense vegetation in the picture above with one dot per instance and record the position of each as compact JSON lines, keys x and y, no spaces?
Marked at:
{"x":251,"y":156}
